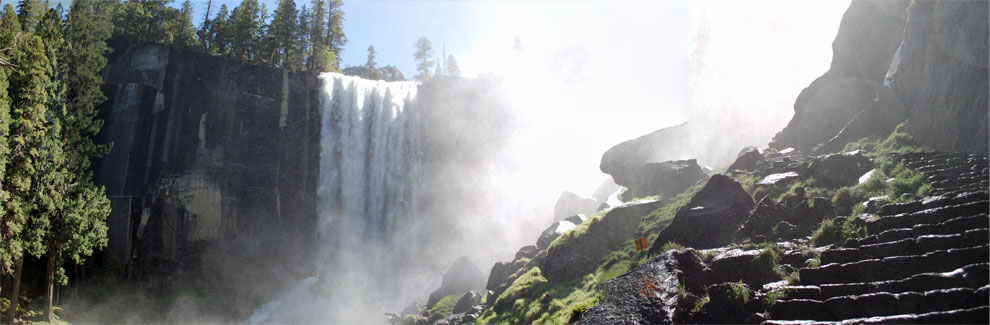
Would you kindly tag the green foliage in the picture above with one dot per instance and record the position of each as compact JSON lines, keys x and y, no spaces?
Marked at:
{"x":831,"y":231}
{"x":424,"y":58}
{"x":739,"y":293}
{"x":769,"y":257}
{"x":775,"y":295}
{"x":671,"y":246}
{"x":443,"y":308}
{"x":578,"y":311}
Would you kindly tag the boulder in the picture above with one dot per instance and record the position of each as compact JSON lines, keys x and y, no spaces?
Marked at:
{"x":500,"y":272}
{"x":579,"y":256}
{"x":711,"y":218}
{"x":569,"y":204}
{"x":747,"y":160}
{"x":766,"y":214}
{"x":467,"y":301}
{"x":665,"y":179}
{"x":555,"y":230}
{"x":413,"y":309}
{"x":577,"y":219}
{"x":624,"y":159}
{"x":462,"y":276}
{"x":839,"y":170}
{"x":527,"y":252}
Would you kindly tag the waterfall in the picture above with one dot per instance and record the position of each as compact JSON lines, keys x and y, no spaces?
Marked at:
{"x":366,"y":203}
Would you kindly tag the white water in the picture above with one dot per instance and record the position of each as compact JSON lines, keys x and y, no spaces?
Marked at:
{"x":366,"y":200}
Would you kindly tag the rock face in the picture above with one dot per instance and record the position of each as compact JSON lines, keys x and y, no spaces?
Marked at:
{"x":711,"y":217}
{"x":854,"y":79}
{"x":208,"y":155}
{"x":942,"y":77}
{"x":555,"y":230}
{"x":569,"y":204}
{"x":623,"y":160}
{"x":389,"y":73}
{"x":665,"y":179}
{"x":924,"y":65}
{"x":461,"y":277}
{"x":575,"y":258}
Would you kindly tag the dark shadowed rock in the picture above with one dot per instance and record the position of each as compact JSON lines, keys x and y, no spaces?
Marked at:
{"x":711,"y":217}
{"x":766,"y":214}
{"x":839,"y":169}
{"x":500,"y":272}
{"x":664,"y":179}
{"x":569,"y":204}
{"x":528,"y":251}
{"x":467,"y":301}
{"x":623,"y":160}
{"x":462,"y":276}
{"x":577,"y":219}
{"x":579,"y":256}
{"x":747,"y":159}
{"x":413,"y":309}
{"x":555,"y":230}
{"x":646,"y":294}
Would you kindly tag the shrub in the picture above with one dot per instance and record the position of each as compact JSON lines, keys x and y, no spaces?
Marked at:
{"x":579,"y":310}
{"x":739,"y":293}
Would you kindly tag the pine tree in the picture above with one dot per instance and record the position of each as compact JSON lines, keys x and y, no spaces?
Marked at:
{"x":372,"y":66}
{"x":218,"y":33}
{"x":315,"y":60}
{"x":281,"y":37}
{"x":335,"y":39}
{"x":423,"y":55}
{"x":299,"y":52}
{"x":10,"y":27}
{"x":185,"y":33}
{"x":244,"y":29}
{"x":452,"y":68}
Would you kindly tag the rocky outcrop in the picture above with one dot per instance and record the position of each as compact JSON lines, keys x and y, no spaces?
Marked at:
{"x":839,"y":169}
{"x":574,"y":258}
{"x":711,"y":217}
{"x":389,"y":73}
{"x":462,"y":276}
{"x":664,"y":179}
{"x":868,"y":37}
{"x":208,"y":156}
{"x":569,"y":204}
{"x":924,"y":65}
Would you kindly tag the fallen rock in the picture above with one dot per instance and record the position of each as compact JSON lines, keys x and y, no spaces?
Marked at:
{"x":462,"y":276}
{"x":569,"y":204}
{"x":576,"y":257}
{"x":527,"y":252}
{"x":467,"y":301}
{"x":711,"y":218}
{"x":839,"y":169}
{"x":747,"y":159}
{"x":664,"y":179}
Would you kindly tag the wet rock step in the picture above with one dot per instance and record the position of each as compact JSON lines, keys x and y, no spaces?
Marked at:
{"x":959,"y":182}
{"x":895,"y":267}
{"x":978,"y":315}
{"x":971,"y":276}
{"x":908,"y":246}
{"x":935,"y":215}
{"x":955,"y":191}
{"x":952,"y":226}
{"x":879,"y":304}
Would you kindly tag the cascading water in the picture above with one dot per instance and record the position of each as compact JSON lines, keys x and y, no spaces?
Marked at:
{"x":369,"y":164}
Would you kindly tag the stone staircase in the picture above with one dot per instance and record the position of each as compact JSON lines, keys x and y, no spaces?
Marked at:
{"x":925,"y":261}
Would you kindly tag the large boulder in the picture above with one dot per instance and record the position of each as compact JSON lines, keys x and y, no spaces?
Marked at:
{"x":747,"y":159}
{"x":606,"y":190}
{"x":664,"y":179}
{"x":839,"y":169}
{"x":461,"y":277}
{"x":711,"y":218}
{"x":623,"y":160}
{"x":467,"y":301}
{"x":569,"y":204}
{"x":576,"y":257}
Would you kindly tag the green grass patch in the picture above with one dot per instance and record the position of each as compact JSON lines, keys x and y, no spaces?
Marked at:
{"x":443,"y":308}
{"x":739,"y":293}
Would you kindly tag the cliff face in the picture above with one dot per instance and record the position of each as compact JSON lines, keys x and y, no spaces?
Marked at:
{"x":923,"y":64}
{"x":212,"y":173}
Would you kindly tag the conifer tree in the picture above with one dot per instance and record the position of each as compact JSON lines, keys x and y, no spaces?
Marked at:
{"x":423,"y":55}
{"x":281,"y":37}
{"x":335,"y":39}
{"x":244,"y":29}
{"x":218,"y":32}
{"x":452,"y":69}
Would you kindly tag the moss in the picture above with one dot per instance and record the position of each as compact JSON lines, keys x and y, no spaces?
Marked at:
{"x":443,"y":308}
{"x":578,"y":231}
{"x":773,"y":296}
{"x":769,"y":257}
{"x":578,"y":311}
{"x":671,"y":246}
{"x":828,"y":232}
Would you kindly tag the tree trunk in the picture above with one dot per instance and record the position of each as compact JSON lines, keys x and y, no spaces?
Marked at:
{"x":54,"y":254}
{"x":15,"y":289}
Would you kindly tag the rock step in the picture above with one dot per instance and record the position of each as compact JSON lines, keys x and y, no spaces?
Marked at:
{"x":932,"y":202}
{"x":952,"y":226}
{"x":970,"y":276}
{"x":880,"y":304}
{"x":972,"y":173}
{"x":894,"y":267}
{"x":957,"y":191}
{"x":908,"y":246}
{"x":978,"y":315}
{"x":934,"y":215}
